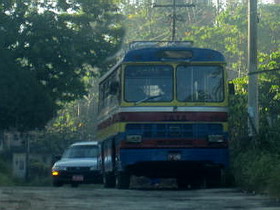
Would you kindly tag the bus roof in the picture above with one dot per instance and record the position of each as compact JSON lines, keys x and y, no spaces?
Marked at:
{"x":173,"y":54}
{"x":154,"y":51}
{"x":145,"y":44}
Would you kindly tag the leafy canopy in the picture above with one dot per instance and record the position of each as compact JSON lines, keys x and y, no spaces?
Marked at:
{"x":53,"y":46}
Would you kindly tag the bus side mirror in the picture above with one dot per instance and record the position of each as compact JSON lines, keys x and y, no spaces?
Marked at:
{"x":114,"y":87}
{"x":231,"y":89}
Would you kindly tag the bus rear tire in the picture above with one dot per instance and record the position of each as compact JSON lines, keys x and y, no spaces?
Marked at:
{"x":123,"y":180}
{"x":109,"y":180}
{"x":74,"y":185}
{"x":182,"y":183}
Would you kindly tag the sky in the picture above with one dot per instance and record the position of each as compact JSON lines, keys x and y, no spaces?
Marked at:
{"x":267,"y":1}
{"x":262,"y":1}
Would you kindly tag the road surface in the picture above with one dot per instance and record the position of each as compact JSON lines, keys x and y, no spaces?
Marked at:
{"x":95,"y":197}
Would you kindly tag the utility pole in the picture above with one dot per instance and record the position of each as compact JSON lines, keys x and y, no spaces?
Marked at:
{"x":253,"y":111}
{"x":174,"y":18}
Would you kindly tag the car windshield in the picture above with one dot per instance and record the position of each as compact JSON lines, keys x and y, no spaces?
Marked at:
{"x":148,"y":83}
{"x":200,"y":84}
{"x":81,"y":151}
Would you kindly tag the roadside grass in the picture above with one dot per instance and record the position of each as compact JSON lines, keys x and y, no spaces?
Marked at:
{"x":257,"y":171}
{"x":39,"y":175}
{"x":5,"y":180}
{"x":274,"y":181}
{"x":5,"y":174}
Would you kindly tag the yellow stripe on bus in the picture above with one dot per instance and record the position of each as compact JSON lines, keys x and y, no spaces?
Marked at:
{"x":116,"y":128}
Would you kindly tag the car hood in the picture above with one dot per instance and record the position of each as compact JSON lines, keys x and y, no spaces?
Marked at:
{"x":77,"y":162}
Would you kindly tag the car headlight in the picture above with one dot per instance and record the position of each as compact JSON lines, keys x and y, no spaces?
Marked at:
{"x":55,"y":173}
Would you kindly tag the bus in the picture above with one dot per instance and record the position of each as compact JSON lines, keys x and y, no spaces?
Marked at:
{"x":163,"y":113}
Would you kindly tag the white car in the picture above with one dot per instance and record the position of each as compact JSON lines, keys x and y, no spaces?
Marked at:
{"x":79,"y":164}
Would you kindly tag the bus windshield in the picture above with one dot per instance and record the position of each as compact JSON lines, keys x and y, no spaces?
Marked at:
{"x":200,"y":83}
{"x":81,"y":151}
{"x":148,"y":83}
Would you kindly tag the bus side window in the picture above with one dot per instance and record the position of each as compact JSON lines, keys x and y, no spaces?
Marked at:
{"x":114,"y":87}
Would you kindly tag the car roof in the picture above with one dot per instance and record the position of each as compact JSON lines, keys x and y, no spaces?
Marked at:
{"x":84,"y":143}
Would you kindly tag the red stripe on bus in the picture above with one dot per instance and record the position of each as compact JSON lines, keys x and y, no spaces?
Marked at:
{"x":172,"y":143}
{"x":165,"y":117}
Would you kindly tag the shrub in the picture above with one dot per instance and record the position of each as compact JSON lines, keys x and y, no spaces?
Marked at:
{"x":258,"y":171}
{"x":274,"y":181}
{"x":5,"y":174}
{"x":39,"y":174}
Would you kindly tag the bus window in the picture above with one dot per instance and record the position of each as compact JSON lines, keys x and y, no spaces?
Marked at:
{"x":148,"y":83}
{"x":109,"y":91}
{"x":200,"y":84}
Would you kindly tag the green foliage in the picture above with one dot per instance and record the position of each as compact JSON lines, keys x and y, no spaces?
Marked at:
{"x":25,"y":104}
{"x":253,"y":169}
{"x":270,"y":95}
{"x":39,"y":174}
{"x":5,"y":180}
{"x":269,"y":28}
{"x":144,"y":22}
{"x":238,"y":110}
{"x":5,"y":174}
{"x":49,"y":49}
{"x":256,"y":160}
{"x":39,"y":169}
{"x":75,"y":122}
{"x":3,"y":166}
{"x":274,"y":180}
{"x":229,"y":35}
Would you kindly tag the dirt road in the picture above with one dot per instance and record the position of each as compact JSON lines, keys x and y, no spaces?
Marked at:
{"x":97,"y":198}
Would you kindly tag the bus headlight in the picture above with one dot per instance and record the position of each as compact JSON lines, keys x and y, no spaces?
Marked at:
{"x":216,"y":138}
{"x":134,"y":138}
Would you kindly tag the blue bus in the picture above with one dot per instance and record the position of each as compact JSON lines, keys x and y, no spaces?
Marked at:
{"x":163,"y":113}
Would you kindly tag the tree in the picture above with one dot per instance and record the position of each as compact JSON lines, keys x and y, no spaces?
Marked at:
{"x":255,"y":161}
{"x":25,"y":104}
{"x":229,"y":35}
{"x":57,"y":45}
{"x":269,"y":92}
{"x":144,"y":22}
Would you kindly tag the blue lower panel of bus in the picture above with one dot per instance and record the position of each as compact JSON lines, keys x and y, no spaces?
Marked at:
{"x":172,"y":159}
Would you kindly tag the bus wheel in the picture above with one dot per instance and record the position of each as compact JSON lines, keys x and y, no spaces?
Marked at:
{"x":216,"y":178}
{"x":74,"y":184}
{"x":123,"y":180}
{"x":182,"y":184}
{"x":109,"y":180}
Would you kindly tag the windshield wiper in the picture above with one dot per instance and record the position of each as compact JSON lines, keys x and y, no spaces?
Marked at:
{"x":147,"y":99}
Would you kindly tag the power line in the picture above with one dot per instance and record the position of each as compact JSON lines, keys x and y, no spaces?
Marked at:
{"x":174,"y":5}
